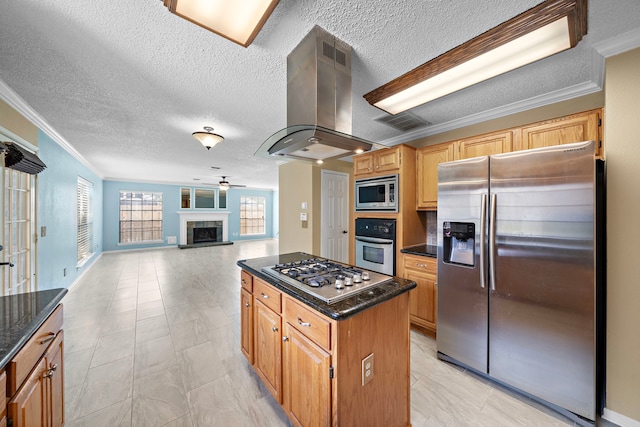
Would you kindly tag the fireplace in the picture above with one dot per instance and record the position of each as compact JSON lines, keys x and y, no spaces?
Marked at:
{"x":191,"y":220}
{"x":204,"y":232}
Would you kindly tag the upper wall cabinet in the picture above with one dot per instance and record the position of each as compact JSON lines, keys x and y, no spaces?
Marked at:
{"x":427,"y":159}
{"x":379,"y":161}
{"x":564,"y":130}
{"x":484,"y":145}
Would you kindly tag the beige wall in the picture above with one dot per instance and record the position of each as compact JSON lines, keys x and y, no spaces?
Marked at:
{"x":15,"y":123}
{"x":622,"y":145}
{"x":302,"y":182}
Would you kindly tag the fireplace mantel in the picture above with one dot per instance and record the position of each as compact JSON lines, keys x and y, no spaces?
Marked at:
{"x":186,"y":216}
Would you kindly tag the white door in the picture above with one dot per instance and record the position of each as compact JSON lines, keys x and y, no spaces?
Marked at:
{"x":334,"y":229}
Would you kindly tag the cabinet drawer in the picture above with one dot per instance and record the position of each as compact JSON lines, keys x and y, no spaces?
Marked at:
{"x":246,"y":280}
{"x":23,"y":362}
{"x":308,"y":322}
{"x":267,"y":294}
{"x":426,"y":264}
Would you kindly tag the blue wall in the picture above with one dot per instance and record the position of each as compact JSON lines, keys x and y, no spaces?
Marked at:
{"x":56,"y":209}
{"x":170,"y":208}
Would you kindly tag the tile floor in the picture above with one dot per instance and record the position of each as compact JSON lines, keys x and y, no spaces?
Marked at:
{"x":152,"y":339}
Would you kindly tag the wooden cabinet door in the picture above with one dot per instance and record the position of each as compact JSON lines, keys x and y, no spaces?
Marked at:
{"x":484,"y":145}
{"x":363,"y":164}
{"x":577,"y":127}
{"x":387,"y":160}
{"x":55,"y":382}
{"x":307,"y":382}
{"x":246,"y":324}
{"x":268,"y":348}
{"x":27,"y":408}
{"x":428,"y":159}
{"x":423,"y":299}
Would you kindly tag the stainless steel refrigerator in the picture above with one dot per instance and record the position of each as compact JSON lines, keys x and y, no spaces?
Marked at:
{"x":520,"y":272}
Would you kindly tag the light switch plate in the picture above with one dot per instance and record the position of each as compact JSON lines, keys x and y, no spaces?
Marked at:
{"x":303,"y":216}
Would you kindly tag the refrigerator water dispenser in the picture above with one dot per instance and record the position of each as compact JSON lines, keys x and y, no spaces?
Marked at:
{"x":458,"y":243}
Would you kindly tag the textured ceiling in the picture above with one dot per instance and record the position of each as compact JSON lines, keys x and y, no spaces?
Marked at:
{"x":125,"y":82}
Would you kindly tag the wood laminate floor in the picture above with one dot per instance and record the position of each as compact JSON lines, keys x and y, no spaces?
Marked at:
{"x":152,"y":339}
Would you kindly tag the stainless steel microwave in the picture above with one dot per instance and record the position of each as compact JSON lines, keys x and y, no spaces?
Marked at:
{"x":379,"y":194}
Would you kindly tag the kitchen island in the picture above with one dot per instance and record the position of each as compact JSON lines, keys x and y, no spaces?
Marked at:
{"x":328,"y":364}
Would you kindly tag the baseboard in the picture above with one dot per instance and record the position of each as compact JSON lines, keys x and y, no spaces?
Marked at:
{"x":619,"y":419}
{"x":87,"y":267}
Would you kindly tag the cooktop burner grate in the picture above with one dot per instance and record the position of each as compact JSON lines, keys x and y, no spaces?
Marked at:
{"x":327,"y":280}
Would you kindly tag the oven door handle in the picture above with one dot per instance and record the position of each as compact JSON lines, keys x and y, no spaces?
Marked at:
{"x":374,"y":240}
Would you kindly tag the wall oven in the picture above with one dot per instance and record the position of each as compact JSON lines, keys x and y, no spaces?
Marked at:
{"x":379,"y":194}
{"x":376,"y":245}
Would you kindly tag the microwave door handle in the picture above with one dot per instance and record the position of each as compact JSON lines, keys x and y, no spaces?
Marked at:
{"x":374,"y":240}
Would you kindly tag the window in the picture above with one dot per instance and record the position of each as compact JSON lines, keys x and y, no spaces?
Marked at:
{"x":85,"y":221}
{"x":140,"y":217}
{"x":251,"y":215}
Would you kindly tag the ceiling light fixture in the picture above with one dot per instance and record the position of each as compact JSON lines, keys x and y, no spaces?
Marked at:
{"x":208,"y":138}
{"x":544,"y":30}
{"x":238,"y":21}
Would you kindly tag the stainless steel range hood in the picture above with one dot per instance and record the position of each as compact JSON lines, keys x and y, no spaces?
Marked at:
{"x":318,"y":103}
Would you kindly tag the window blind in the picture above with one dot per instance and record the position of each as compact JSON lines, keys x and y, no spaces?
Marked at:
{"x":85,"y":224}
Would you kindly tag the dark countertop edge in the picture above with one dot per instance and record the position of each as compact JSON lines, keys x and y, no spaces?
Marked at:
{"x":421,"y":250}
{"x":327,"y":309}
{"x":34,"y":325}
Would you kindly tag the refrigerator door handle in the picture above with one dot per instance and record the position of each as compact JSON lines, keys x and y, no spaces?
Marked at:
{"x":483,"y":239}
{"x":492,"y":242}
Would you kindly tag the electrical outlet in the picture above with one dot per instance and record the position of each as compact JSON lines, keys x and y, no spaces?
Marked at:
{"x":367,"y":369}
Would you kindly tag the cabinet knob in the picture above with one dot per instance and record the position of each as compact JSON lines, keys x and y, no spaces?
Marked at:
{"x":246,"y":304}
{"x":264,"y":295}
{"x":274,"y":329}
{"x":285,"y":339}
{"x":51,"y":371}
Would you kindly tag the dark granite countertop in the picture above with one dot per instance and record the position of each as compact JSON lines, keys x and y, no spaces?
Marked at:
{"x":422,"y":250}
{"x":21,"y":315}
{"x":339,"y":310}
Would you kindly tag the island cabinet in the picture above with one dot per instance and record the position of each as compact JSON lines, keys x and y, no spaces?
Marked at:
{"x":424,"y":298}
{"x":246,"y":316}
{"x":35,"y":384}
{"x":314,"y":365}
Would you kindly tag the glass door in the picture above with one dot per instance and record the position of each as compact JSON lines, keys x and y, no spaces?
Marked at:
{"x":16,"y":241}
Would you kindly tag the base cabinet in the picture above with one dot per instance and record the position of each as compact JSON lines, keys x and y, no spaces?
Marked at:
{"x":37,"y":397}
{"x":423,"y":304}
{"x":313,"y":364}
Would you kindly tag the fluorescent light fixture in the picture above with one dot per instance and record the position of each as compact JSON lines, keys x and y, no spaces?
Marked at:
{"x":237,"y":20}
{"x":549,"y":28}
{"x":208,"y":138}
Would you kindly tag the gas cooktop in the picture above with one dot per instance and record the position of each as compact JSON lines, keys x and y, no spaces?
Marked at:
{"x":327,"y":280}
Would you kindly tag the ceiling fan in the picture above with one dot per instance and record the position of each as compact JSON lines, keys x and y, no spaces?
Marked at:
{"x":224,"y":185}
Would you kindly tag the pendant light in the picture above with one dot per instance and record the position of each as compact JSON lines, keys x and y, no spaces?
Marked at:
{"x":208,"y":138}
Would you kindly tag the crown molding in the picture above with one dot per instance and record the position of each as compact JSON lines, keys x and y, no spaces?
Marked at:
{"x":14,"y":100}
{"x":619,"y":44}
{"x":564,"y":94}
